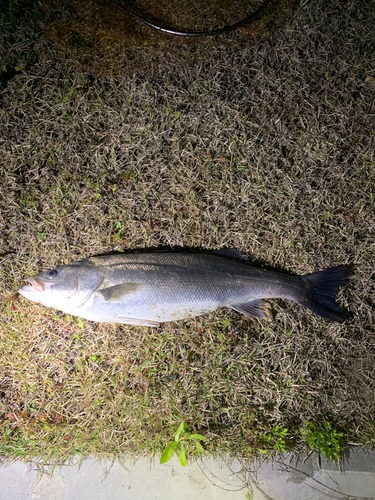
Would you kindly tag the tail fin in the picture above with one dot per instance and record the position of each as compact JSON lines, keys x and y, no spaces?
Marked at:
{"x":320,"y":290}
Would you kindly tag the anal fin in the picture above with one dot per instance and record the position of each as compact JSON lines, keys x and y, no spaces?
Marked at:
{"x":256,"y":308}
{"x":137,"y":321}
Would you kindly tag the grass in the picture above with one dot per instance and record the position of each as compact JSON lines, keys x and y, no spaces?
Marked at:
{"x":261,"y":140}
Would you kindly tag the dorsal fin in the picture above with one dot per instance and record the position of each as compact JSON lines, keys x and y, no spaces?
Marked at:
{"x":231,"y":253}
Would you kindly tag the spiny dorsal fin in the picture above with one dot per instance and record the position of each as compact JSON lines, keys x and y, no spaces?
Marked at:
{"x":232,"y":253}
{"x":254,"y":309}
{"x":118,"y":292}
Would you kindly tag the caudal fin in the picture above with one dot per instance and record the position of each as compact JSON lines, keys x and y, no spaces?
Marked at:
{"x":320,"y":291}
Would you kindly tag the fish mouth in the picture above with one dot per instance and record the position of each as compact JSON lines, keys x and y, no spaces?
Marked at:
{"x":37,"y":286}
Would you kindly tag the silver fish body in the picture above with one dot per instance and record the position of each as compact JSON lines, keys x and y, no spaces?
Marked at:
{"x":151,"y":288}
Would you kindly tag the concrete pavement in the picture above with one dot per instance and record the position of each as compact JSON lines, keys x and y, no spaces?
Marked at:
{"x":206,"y":479}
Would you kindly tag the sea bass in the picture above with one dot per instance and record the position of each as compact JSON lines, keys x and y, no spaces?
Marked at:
{"x":151,"y":288}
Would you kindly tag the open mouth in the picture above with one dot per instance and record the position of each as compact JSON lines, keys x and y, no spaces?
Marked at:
{"x":37,"y":286}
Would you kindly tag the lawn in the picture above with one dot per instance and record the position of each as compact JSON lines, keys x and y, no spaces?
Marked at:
{"x":116,"y":137}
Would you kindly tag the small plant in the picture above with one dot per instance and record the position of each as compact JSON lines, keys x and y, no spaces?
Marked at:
{"x":273,"y":440}
{"x":324,"y":439}
{"x":178,"y":446}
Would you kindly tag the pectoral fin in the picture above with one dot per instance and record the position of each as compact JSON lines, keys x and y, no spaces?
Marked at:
{"x":117,"y":293}
{"x":254,"y":308}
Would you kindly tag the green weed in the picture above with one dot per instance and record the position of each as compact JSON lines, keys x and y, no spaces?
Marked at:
{"x":273,"y":440}
{"x":324,"y":439}
{"x":181,"y":436}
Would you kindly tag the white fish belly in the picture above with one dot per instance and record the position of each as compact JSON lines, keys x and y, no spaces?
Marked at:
{"x":144,"y":310}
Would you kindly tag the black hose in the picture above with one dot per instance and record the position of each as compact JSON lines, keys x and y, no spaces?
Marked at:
{"x":254,"y":16}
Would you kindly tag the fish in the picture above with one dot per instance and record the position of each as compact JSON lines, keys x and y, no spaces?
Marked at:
{"x":147,"y":289}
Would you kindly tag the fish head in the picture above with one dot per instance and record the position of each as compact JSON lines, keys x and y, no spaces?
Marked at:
{"x":66,"y":287}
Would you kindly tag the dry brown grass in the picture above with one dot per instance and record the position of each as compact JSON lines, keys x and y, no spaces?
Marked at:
{"x":267,"y":147}
{"x":114,"y":44}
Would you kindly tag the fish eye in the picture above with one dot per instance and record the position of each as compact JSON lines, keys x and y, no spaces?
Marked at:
{"x":52,"y":274}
